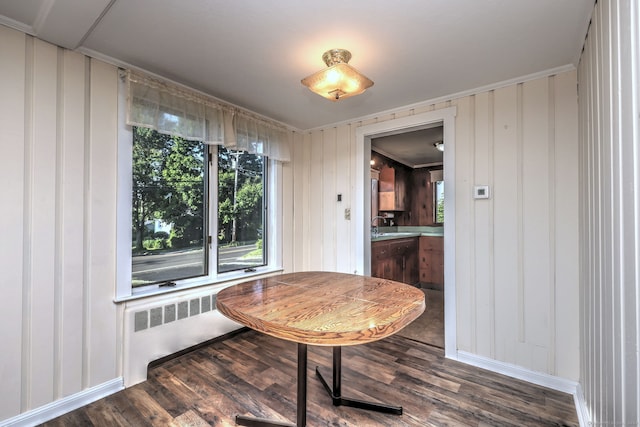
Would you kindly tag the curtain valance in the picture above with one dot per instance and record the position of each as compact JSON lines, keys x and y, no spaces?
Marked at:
{"x":171,"y":109}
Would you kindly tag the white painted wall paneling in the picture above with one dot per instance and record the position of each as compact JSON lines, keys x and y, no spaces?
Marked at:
{"x":609,"y":224}
{"x":14,"y":225}
{"x":59,"y":328}
{"x":520,"y":140}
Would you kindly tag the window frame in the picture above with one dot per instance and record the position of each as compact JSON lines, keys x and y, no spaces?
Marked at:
{"x":272,"y":219}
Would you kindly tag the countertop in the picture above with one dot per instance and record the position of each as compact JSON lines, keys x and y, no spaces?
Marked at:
{"x":400,"y":232}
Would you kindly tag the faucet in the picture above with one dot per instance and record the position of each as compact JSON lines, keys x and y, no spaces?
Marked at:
{"x":374,"y":228}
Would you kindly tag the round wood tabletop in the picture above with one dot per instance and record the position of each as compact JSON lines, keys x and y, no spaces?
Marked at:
{"x":323,"y":308}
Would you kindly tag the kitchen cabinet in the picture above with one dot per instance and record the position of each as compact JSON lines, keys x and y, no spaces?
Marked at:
{"x":382,"y":264}
{"x":431,"y":253}
{"x":392,"y":190}
{"x":396,"y":259}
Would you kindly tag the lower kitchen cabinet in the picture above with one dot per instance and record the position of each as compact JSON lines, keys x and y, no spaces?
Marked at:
{"x":381,"y":261}
{"x":396,"y":259}
{"x":432,"y":261}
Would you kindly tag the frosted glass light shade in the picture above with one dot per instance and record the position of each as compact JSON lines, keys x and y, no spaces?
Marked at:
{"x":339,"y":80}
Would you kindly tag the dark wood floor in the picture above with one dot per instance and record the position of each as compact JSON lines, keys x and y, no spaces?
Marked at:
{"x":253,"y":374}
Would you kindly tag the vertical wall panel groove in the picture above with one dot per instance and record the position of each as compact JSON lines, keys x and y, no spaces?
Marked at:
{"x":519,"y":213}
{"x":25,"y":388}
{"x":632,"y":132}
{"x":473,"y":283}
{"x":86,"y":224}
{"x":58,"y":277}
{"x":492,"y":234}
{"x":551,"y":186}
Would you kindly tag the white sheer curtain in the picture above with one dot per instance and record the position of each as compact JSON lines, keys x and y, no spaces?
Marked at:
{"x":258,"y":138}
{"x":174,"y":110}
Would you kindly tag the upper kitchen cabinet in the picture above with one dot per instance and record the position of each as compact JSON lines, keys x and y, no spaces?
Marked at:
{"x":393,"y":193}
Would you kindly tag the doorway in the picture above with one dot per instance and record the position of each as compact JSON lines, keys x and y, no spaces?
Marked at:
{"x":364,"y":135}
{"x":409,"y":225}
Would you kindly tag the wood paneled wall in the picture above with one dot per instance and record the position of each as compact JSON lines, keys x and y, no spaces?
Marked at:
{"x":516,"y":260}
{"x":58,"y":323}
{"x":609,"y":214}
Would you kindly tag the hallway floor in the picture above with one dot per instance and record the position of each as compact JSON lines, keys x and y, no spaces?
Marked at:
{"x":429,"y":327}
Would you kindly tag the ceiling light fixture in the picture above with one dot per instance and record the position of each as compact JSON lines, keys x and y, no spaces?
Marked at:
{"x":339,"y":80}
{"x":439,"y":145}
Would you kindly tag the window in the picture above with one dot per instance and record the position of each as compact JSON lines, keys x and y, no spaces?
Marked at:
{"x":438,"y":212}
{"x":169,"y":226}
{"x":172,"y":217}
{"x":192,"y":211}
{"x":241,"y":209}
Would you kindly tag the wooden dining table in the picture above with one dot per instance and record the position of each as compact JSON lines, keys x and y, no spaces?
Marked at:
{"x":324,"y":309}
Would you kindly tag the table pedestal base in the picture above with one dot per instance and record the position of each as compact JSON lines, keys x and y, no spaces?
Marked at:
{"x":301,"y":398}
{"x":336,"y":395}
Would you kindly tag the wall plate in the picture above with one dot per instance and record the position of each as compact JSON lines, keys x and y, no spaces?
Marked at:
{"x":481,"y":192}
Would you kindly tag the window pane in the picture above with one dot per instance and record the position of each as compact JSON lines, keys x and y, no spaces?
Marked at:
{"x":168,"y":209}
{"x":439,"y":199}
{"x":241,"y":210}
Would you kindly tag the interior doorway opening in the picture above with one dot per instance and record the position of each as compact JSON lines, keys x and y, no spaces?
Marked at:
{"x":407,"y":218}
{"x":419,"y":122}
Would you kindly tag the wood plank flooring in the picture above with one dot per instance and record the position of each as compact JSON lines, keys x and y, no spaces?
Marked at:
{"x":429,"y":327}
{"x":254,"y":374}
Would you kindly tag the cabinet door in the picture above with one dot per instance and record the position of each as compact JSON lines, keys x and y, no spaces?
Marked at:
{"x":393,"y":189}
{"x":380,"y":255}
{"x":432,"y":261}
{"x":386,"y":201}
{"x":405,"y":256}
{"x":400,"y":189}
{"x":412,"y":269}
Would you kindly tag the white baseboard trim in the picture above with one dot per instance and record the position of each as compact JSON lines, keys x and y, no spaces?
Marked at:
{"x":581,"y":408}
{"x":64,"y":405}
{"x":545,"y":380}
{"x":539,"y":378}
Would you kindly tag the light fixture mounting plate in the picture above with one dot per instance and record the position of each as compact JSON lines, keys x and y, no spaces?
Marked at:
{"x":336,"y":56}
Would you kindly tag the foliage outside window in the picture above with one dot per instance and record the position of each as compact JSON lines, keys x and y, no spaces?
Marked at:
{"x":241,"y":210}
{"x":439,"y":202}
{"x":171,"y":215}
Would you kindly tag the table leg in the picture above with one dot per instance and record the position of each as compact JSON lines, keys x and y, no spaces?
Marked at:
{"x":301,"y":399}
{"x":302,"y":386}
{"x":336,"y":394}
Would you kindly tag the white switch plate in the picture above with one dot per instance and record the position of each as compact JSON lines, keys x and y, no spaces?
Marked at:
{"x":347,"y":213}
{"x":481,"y":192}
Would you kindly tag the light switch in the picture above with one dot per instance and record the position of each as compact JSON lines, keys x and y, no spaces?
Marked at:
{"x":347,"y":214}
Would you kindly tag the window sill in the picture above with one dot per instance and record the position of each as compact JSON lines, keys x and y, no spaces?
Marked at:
{"x":227,"y":279}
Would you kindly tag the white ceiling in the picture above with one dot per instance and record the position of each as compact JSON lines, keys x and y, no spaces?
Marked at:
{"x":414,"y":148}
{"x":253,"y":53}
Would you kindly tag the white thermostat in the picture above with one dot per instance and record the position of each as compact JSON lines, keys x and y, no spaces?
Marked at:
{"x":481,"y":192}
